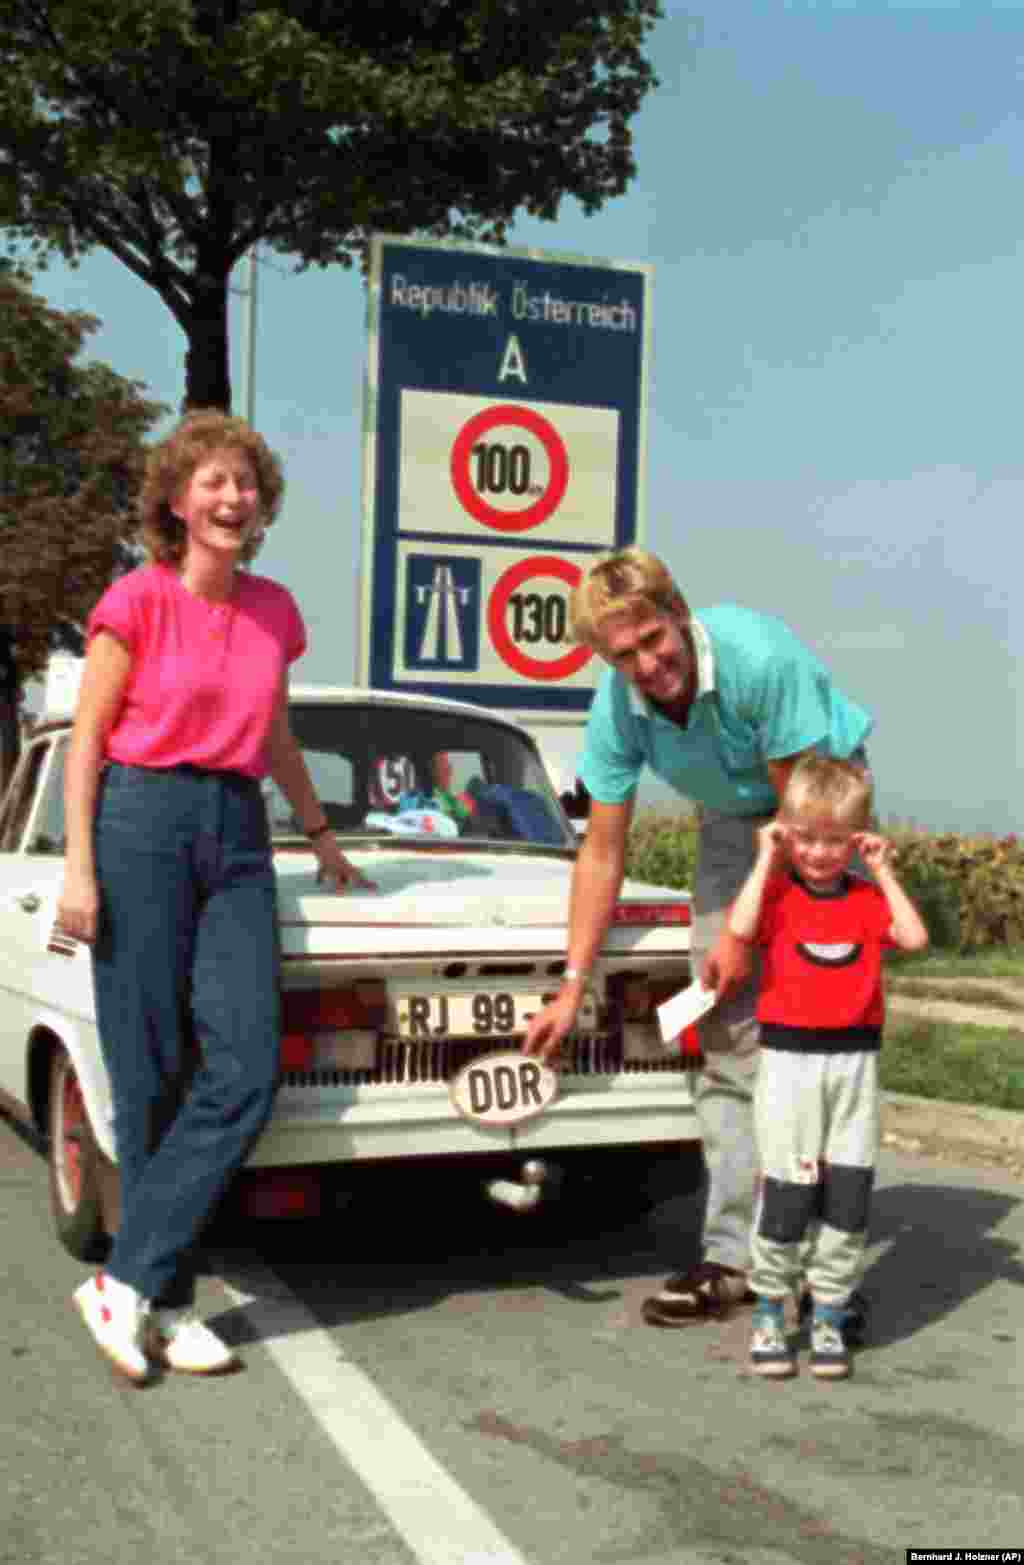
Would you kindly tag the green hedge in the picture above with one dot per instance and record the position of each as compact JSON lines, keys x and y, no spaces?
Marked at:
{"x":970,"y":890}
{"x":663,"y":848}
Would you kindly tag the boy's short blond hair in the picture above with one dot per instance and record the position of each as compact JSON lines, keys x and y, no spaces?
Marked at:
{"x":630,"y":581}
{"x":824,"y":785}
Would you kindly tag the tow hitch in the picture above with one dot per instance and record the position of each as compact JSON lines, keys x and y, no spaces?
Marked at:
{"x":537,"y":1180}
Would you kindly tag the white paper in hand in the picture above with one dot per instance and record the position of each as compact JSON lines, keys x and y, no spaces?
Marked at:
{"x":684,"y":1008}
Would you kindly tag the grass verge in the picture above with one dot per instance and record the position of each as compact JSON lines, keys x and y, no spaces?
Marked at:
{"x":992,"y":962}
{"x":954,"y":1063}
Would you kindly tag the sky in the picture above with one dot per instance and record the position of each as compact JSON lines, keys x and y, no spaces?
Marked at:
{"x":830,"y":196}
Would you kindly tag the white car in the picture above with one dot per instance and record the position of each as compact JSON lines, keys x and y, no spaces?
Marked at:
{"x":404,"y":1006}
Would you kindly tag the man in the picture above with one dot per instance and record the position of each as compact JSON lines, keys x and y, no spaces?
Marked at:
{"x":721,"y":707}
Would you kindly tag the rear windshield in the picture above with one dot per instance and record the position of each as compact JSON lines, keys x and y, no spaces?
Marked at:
{"x":413,"y":772}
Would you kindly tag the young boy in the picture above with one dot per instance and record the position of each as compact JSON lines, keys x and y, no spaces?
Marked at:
{"x":821,"y":931}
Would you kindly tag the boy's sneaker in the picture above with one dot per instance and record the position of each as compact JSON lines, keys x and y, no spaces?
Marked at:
{"x":830,"y":1356}
{"x":180,"y":1340}
{"x":770,"y":1352}
{"x":116,"y":1315}
{"x":856,"y":1313}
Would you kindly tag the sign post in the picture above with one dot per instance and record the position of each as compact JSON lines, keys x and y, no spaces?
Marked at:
{"x":504,"y":449}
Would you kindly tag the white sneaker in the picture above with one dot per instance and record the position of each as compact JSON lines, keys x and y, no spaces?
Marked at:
{"x":770,"y":1352}
{"x":116,"y":1315}
{"x":182,"y":1341}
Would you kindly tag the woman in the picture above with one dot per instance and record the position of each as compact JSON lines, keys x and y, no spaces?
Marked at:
{"x":183,"y":708}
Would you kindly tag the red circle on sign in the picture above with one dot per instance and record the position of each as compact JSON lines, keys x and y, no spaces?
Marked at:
{"x":558,"y":468}
{"x":533,"y":668}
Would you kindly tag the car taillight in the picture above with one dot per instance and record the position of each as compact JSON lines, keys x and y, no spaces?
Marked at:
{"x":641,"y":913}
{"x":279,"y":1192}
{"x":296,"y":1051}
{"x":310,"y":1016}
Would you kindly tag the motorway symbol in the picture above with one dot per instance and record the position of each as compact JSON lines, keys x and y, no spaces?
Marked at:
{"x":539,"y":618}
{"x":442,"y":617}
{"x":482,"y":465}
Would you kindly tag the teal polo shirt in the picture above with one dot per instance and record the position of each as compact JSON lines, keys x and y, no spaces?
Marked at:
{"x":761,"y":696}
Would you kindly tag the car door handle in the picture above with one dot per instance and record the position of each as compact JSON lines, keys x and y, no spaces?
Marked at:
{"x":30,"y":902}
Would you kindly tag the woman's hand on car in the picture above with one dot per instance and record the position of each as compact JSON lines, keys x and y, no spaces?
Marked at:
{"x":334,"y":866}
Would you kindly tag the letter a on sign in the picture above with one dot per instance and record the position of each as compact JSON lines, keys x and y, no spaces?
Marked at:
{"x":512,"y":361}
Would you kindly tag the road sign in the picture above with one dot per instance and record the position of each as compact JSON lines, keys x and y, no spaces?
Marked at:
{"x":485,"y":463}
{"x":504,"y":451}
{"x":442,"y":613}
{"x":485,"y":469}
{"x":539,"y":618}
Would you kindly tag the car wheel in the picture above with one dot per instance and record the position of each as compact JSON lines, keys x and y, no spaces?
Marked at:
{"x":75,"y":1165}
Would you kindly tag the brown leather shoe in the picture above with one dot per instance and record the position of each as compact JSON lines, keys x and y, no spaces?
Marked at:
{"x":707,"y":1292}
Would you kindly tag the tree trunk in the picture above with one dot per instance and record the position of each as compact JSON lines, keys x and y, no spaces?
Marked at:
{"x":10,"y":732}
{"x":207,"y":376}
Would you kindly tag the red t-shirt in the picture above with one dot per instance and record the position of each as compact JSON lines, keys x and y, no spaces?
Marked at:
{"x":205,"y":677}
{"x":821,"y":985}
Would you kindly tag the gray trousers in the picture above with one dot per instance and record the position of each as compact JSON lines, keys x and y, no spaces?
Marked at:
{"x":730,"y":1040}
{"x":816,"y":1119}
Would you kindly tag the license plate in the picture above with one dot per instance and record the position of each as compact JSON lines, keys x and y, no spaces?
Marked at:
{"x":487,"y":1014}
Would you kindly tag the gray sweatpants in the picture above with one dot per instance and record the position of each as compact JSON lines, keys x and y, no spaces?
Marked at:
{"x":816,"y":1117}
{"x":727,"y":847}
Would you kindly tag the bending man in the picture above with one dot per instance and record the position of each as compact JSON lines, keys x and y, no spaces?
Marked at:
{"x":721,"y":706}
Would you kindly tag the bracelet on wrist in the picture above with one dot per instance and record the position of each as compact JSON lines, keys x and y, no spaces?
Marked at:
{"x":321,"y":831}
{"x":574,"y":974}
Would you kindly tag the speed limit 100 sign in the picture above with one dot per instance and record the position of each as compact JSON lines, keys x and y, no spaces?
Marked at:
{"x":474,"y":468}
{"x":528,"y":619}
{"x":488,"y":461}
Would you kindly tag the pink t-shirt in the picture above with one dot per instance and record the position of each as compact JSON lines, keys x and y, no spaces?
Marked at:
{"x":205,"y":676}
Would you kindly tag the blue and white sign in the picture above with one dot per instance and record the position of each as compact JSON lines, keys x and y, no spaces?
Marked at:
{"x":442,"y":613}
{"x":504,"y":449}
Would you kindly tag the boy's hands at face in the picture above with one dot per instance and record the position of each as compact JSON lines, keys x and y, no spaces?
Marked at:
{"x":772,"y":840}
{"x":876,"y":851}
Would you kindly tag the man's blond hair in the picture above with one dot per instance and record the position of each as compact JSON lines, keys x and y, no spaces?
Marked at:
{"x":824,"y":785}
{"x":630,"y":581}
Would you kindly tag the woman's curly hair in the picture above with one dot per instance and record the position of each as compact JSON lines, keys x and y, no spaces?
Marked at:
{"x":171,"y":463}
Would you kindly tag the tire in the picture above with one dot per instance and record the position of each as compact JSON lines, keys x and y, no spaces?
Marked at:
{"x":75,"y":1165}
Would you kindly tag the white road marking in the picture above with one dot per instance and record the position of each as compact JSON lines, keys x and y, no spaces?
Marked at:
{"x":437,"y":1519}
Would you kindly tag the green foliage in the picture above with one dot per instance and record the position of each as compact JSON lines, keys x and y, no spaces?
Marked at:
{"x":954,"y":1062}
{"x":936,"y":894}
{"x":178,"y":134}
{"x":662,"y":848}
{"x":71,"y":456}
{"x":970,"y":889}
{"x":993,"y":962}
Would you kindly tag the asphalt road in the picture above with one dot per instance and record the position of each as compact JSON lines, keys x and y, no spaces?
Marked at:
{"x":432,"y":1386}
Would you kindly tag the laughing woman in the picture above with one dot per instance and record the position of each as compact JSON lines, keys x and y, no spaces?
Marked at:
{"x":183,"y":709}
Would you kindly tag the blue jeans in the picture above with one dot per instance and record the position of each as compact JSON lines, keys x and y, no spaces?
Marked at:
{"x":187,"y":947}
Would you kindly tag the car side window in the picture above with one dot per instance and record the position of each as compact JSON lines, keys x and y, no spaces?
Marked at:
{"x":453,"y":770}
{"x":332,"y":775}
{"x":48,"y":834}
{"x":17,"y":805}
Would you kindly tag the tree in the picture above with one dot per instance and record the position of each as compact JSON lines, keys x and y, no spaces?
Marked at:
{"x":71,"y":457}
{"x":179,"y":133}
